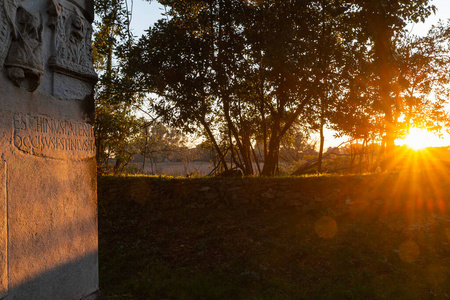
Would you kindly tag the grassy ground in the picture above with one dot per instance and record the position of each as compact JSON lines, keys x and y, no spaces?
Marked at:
{"x":390,"y":240}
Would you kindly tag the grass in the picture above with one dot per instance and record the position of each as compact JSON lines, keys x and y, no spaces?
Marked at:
{"x":391,"y":242}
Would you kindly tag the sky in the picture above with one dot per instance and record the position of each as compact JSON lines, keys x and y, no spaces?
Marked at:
{"x":145,"y":14}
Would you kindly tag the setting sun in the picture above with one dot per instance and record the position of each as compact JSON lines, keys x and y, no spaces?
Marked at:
{"x":419,"y":138}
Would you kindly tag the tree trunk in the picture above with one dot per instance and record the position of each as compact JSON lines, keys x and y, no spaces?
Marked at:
{"x":213,"y":140}
{"x":145,"y":151}
{"x":152,"y":164}
{"x":277,"y":133}
{"x":271,"y":161}
{"x":389,"y":128}
{"x":322,"y":141}
{"x":383,"y":55}
{"x":256,"y":160}
{"x":244,"y":149}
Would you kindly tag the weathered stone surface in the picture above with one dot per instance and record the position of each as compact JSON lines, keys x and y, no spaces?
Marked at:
{"x":5,"y":31}
{"x":70,"y":88}
{"x":48,"y":212}
{"x":71,"y":53}
{"x":3,"y":232}
{"x":53,"y":138}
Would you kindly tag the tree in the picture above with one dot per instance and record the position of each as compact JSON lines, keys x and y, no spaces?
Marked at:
{"x":116,"y":127}
{"x":117,"y":136}
{"x":424,"y":75}
{"x":244,"y":72}
{"x":392,"y":75}
{"x":335,"y":50}
{"x":173,"y":62}
{"x":383,"y":22}
{"x":248,"y":69}
{"x":158,"y":139}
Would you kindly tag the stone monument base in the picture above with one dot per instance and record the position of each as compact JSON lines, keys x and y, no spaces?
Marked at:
{"x":48,"y":180}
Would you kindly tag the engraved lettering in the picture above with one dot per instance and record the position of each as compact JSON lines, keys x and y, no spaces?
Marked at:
{"x":18,"y":122}
{"x":17,"y":141}
{"x":54,"y":138}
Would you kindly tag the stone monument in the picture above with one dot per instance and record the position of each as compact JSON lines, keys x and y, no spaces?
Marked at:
{"x":48,"y":201}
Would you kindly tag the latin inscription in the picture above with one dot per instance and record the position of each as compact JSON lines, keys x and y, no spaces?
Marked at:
{"x":54,"y":138}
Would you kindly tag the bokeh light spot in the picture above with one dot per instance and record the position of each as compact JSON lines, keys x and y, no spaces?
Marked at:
{"x":325,"y":227}
{"x":409,"y":251}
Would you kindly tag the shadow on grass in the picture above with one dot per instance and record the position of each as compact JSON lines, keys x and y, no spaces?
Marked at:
{"x":389,"y":238}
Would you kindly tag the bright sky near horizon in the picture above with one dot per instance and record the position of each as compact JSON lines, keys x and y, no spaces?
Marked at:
{"x":145,"y":14}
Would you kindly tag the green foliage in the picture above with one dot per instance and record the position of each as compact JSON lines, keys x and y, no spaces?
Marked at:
{"x":245,"y":74}
{"x":382,"y":23}
{"x":116,"y":127}
{"x":116,"y":136}
{"x":247,"y":71}
{"x":424,"y":71}
{"x":393,"y":76}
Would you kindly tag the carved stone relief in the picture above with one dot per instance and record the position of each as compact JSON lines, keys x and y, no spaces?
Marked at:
{"x":21,"y":45}
{"x":72,"y":50}
{"x":48,"y":223}
{"x":25,"y":63}
{"x":7,"y":15}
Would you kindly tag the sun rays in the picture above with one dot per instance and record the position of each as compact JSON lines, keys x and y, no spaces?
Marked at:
{"x":420,"y":138}
{"x":419,"y":185}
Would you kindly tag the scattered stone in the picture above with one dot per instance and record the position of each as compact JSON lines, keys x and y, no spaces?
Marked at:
{"x":204,"y":189}
{"x":269,"y":194}
{"x":234,"y":173}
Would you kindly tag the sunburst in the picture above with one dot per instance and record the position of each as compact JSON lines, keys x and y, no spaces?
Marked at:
{"x":419,"y":138}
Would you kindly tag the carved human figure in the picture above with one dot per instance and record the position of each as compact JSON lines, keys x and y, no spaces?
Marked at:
{"x":24,"y":62}
{"x":75,"y":33}
{"x":71,"y":40}
{"x":7,"y":28}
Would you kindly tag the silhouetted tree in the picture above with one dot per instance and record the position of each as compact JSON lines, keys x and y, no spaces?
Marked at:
{"x":249,"y":68}
{"x":383,"y":22}
{"x":244,"y":72}
{"x":116,"y":125}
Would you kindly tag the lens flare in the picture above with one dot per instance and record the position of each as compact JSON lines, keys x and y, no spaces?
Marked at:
{"x":419,"y":138}
{"x":325,"y":227}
